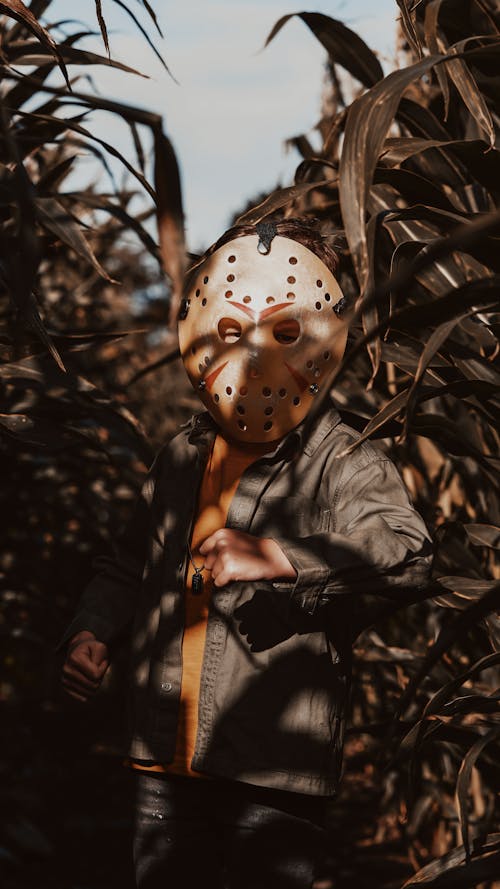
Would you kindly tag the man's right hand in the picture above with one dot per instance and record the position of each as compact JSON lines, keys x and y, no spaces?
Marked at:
{"x":85,"y":665}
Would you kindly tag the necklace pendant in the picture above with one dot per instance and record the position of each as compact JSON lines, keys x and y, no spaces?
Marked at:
{"x":197,"y":584}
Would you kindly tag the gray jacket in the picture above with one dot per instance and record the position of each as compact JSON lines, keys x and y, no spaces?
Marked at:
{"x":276,"y":662}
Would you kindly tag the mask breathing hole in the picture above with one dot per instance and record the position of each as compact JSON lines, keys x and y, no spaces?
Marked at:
{"x":201,"y":368}
{"x":282,"y":393}
{"x":268,"y":426}
{"x":229,"y":330}
{"x":205,"y":279}
{"x":228,"y":293}
{"x":293,"y":260}
{"x":228,"y":390}
{"x":318,"y":306}
{"x":326,"y":356}
{"x":266,"y":392}
{"x":327,"y":297}
{"x":296,"y":400}
{"x":243,"y":391}
{"x":204,"y":301}
{"x":270,"y":299}
{"x":247,"y":299}
{"x":290,"y":296}
{"x":291,"y":279}
{"x":242,"y":425}
{"x":198,"y":292}
{"x":268,"y":411}
{"x":319,"y":283}
{"x":216,"y":397}
{"x":231,"y":258}
{"x":240,"y":409}
{"x":230,"y":278}
{"x":286,"y":331}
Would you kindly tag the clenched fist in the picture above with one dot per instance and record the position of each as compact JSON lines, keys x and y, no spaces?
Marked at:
{"x":235,"y":555}
{"x":85,"y":665}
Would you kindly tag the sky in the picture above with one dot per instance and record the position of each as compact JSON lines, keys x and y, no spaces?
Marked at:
{"x":234,"y":104}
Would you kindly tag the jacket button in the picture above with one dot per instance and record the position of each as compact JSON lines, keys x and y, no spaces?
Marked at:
{"x":166,"y":686}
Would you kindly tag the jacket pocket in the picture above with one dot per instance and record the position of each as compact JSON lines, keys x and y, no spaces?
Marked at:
{"x":294,"y":516}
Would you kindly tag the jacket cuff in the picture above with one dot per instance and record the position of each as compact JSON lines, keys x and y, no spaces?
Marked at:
{"x":84,"y":620}
{"x":312,"y":575}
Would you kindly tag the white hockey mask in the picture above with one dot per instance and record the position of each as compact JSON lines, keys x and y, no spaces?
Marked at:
{"x":259,"y":332}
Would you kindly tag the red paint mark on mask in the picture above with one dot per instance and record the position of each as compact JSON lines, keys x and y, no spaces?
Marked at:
{"x":211,"y":378}
{"x":299,"y":379}
{"x":259,"y":316}
{"x":271,"y":310}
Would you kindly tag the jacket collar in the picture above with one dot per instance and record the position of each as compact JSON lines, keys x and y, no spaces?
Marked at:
{"x":201,"y":430}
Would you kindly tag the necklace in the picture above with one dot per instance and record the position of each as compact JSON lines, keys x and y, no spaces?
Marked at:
{"x":197,"y":582}
{"x":197,"y":579}
{"x":215,"y":473}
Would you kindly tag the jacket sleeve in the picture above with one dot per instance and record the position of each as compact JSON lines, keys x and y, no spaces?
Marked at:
{"x":380,"y":545}
{"x":108,"y":602}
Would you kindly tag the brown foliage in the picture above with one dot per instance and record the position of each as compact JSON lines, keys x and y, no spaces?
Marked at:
{"x":406,"y":186}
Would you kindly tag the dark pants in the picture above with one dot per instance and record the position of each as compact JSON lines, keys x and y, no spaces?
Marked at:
{"x":192,"y":832}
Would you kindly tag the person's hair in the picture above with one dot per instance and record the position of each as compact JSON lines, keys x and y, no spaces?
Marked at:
{"x":299,"y":230}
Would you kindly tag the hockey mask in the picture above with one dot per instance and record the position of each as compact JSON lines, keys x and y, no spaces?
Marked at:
{"x":259,"y":332}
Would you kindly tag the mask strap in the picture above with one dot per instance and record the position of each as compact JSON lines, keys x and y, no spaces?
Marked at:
{"x":340,"y":306}
{"x":266,"y":232}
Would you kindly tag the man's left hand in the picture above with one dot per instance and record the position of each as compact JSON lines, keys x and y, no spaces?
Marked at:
{"x":234,"y":555}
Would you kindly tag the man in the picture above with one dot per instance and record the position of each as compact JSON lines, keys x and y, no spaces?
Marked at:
{"x":254,"y":536}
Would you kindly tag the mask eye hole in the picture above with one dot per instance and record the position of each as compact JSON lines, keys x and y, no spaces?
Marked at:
{"x":229,"y":330}
{"x":286,"y":331}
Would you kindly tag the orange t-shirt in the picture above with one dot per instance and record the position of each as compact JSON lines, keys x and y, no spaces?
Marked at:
{"x":226,"y":464}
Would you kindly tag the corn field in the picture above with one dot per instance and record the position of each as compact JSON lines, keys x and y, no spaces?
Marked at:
{"x":406,"y":186}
